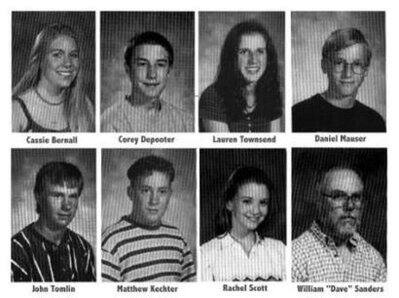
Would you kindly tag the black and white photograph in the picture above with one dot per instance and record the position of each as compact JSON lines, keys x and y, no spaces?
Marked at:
{"x":338,"y":71}
{"x":339,"y":215}
{"x":241,"y":71}
{"x":53,"y":71}
{"x":53,"y":215}
{"x":243,"y":214}
{"x":147,"y":71}
{"x":148,"y":215}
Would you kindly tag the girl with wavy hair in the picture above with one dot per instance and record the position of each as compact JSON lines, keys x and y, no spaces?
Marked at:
{"x":50,"y":96}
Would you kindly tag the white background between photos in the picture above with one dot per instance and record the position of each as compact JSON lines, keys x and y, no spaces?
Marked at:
{"x":287,"y":140}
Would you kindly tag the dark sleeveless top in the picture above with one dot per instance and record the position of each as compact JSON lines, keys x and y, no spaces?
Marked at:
{"x":33,"y":126}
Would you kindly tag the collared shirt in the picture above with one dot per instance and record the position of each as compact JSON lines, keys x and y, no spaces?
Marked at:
{"x":224,"y":259}
{"x":161,"y":116}
{"x":315,"y":258}
{"x":34,"y":258}
{"x":132,"y":252}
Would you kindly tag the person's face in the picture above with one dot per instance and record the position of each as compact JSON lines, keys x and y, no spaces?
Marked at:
{"x":249,"y":206}
{"x":149,"y":70}
{"x":252,"y":57}
{"x":61,"y":62}
{"x":347,"y":70}
{"x":341,"y":195}
{"x":150,"y":196}
{"x":58,"y":205}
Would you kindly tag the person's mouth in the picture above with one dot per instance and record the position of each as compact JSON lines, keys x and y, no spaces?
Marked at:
{"x":152,"y":211}
{"x":65,"y":73}
{"x":349,"y":219}
{"x":64,"y":216}
{"x":150,"y":85}
{"x":254,"y":219}
{"x":252,"y":69}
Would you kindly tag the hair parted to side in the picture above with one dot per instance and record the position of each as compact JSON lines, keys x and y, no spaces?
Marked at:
{"x":148,"y":37}
{"x":343,"y":38}
{"x":56,"y":173}
{"x":145,"y":166}
{"x":78,"y":110}
{"x":238,"y":178}
{"x":229,"y":81}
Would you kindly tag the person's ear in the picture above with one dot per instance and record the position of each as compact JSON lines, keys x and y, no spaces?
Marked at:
{"x":366,"y":72}
{"x":127,"y":69}
{"x":130,"y":192}
{"x":324,"y":65}
{"x":229,"y":206}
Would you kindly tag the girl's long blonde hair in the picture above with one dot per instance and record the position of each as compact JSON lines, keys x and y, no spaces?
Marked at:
{"x":78,"y":109}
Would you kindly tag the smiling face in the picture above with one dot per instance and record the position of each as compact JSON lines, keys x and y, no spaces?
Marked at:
{"x":58,"y":204}
{"x":341,"y":217}
{"x":149,"y":70}
{"x":346,"y":70}
{"x":150,"y":196}
{"x":249,"y":207}
{"x":61,"y":63}
{"x":252,"y":57}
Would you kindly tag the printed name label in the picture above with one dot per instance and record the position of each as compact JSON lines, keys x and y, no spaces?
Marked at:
{"x":339,"y":138}
{"x":244,"y":139}
{"x":51,"y":140}
{"x":145,"y":289}
{"x":340,"y":289}
{"x":244,"y":288}
{"x":53,"y":289}
{"x":146,"y":140}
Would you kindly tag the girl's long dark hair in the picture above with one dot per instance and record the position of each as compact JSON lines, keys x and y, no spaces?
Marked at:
{"x":229,"y":81}
{"x":238,"y":178}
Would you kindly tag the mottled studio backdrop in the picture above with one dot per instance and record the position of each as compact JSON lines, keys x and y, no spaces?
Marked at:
{"x":217,"y":166}
{"x":26,"y":25}
{"x":117,"y":28}
{"x":181,"y":211}
{"x":25,"y":165}
{"x":309,"y":32}
{"x":213,"y":29}
{"x":371,"y":164}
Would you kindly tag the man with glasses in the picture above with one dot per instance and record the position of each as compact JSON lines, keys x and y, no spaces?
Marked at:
{"x":331,"y":250}
{"x":346,"y":57}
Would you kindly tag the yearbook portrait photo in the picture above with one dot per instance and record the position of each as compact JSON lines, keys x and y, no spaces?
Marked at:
{"x":241,"y":71}
{"x":53,"y":71}
{"x":53,"y":215}
{"x":147,"y":71}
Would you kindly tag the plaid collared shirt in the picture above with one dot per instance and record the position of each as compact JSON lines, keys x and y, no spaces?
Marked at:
{"x":315,"y":258}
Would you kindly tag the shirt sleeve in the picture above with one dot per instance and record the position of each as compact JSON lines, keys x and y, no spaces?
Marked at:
{"x":211,"y":106}
{"x":111,"y":271}
{"x":20,"y":268}
{"x":298,"y":267}
{"x":188,"y":266}
{"x":206,"y":266}
{"x":382,"y":271}
{"x":90,"y":269}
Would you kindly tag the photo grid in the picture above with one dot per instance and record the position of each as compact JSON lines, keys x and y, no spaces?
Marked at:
{"x":199,"y":153}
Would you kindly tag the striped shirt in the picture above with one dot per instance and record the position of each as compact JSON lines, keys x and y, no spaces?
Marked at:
{"x":315,"y":258}
{"x":34,"y":258}
{"x":131,"y":252}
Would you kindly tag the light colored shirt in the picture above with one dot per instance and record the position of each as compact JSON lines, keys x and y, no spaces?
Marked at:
{"x":131,"y":252}
{"x":224,"y":259}
{"x":123,"y":116}
{"x":315,"y":258}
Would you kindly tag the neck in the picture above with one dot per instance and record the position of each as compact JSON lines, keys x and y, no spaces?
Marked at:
{"x":50,"y":92}
{"x":52,"y":234}
{"x":329,"y":231}
{"x":139,"y":99}
{"x":241,"y":233}
{"x":344,"y":102}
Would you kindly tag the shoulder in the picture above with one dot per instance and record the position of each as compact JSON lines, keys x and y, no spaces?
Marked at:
{"x":79,"y":240}
{"x":23,"y":239}
{"x":167,"y":228}
{"x":369,"y":252}
{"x":307,"y":104}
{"x":213,"y":245}
{"x":176,"y":110}
{"x":210,"y":96}
{"x":116,"y":108}
{"x":113,"y":234}
{"x":370,"y":113}
{"x":274,"y":244}
{"x":300,"y":244}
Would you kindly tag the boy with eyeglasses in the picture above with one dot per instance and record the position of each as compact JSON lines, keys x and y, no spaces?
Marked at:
{"x":331,"y":250}
{"x":346,"y":57}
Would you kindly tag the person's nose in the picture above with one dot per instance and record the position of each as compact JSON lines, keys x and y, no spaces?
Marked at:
{"x":251,"y":58}
{"x":151,"y":72}
{"x":347,"y":72}
{"x":66,"y":203}
{"x":154,"y":199}
{"x":67,"y":61}
{"x":349,"y":204}
{"x":255,"y":209}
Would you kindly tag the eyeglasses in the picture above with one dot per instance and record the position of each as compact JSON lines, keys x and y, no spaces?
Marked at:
{"x":342,"y":198}
{"x":357,"y":67}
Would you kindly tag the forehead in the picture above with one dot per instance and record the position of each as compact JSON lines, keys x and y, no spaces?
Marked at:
{"x":63,"y":188}
{"x":63,"y":42}
{"x":253,"y":189}
{"x":345,"y":180}
{"x":356,"y":52}
{"x":252,"y":40}
{"x":154,"y":179}
{"x":151,"y":52}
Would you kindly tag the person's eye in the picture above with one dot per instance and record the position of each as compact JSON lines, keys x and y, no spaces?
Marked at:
{"x":57,"y":54}
{"x":162,"y":64}
{"x":74,"y":55}
{"x":145,"y":190}
{"x":264,"y":203}
{"x":261,"y":51}
{"x":247,"y":201}
{"x":242,"y":51}
{"x":141,"y":63}
{"x":163,"y":191}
